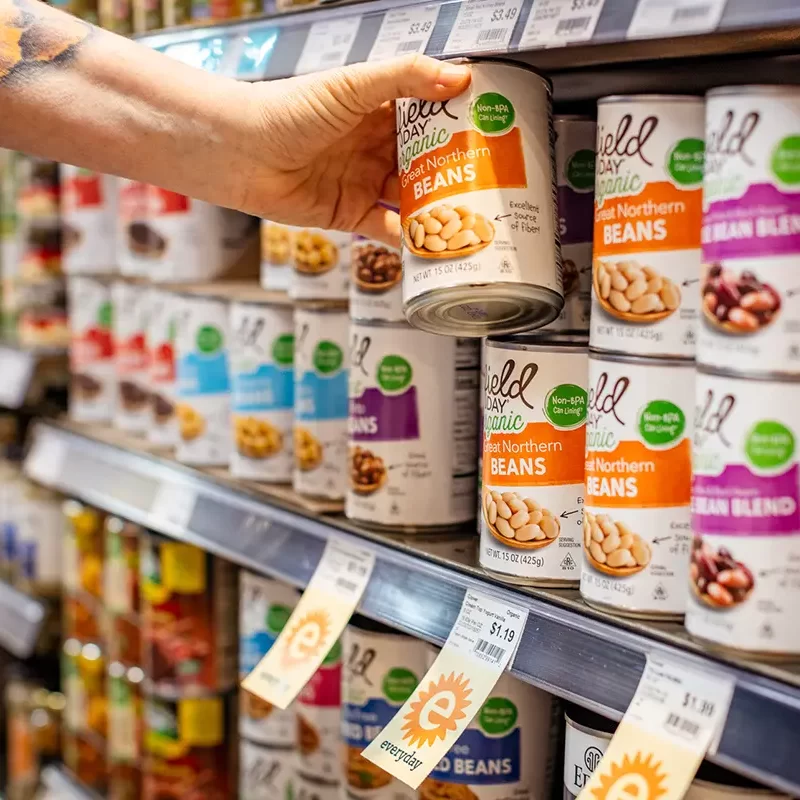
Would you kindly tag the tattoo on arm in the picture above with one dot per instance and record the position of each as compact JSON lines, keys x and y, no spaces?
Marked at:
{"x":32,"y":36}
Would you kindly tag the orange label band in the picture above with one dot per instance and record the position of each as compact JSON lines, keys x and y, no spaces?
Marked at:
{"x":633,"y":476}
{"x":662,"y":217}
{"x":467,"y":162}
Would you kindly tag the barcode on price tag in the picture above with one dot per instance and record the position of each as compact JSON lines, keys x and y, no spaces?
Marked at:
{"x":483,"y":25}
{"x":328,"y":45}
{"x":679,"y":17}
{"x":553,"y":23}
{"x":404,"y":30}
{"x":174,"y":503}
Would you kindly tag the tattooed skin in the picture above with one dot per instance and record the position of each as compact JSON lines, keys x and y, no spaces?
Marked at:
{"x":31,"y":37}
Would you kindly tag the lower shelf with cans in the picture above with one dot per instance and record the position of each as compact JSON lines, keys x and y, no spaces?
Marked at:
{"x":417,"y":586}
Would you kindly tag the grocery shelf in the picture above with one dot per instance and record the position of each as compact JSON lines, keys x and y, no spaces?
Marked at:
{"x":418,"y":585}
{"x":21,"y":620}
{"x":59,"y":784}
{"x":17,"y":366}
{"x":586,"y":32}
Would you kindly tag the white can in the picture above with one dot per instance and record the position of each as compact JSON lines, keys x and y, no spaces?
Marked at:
{"x":412,"y":426}
{"x":318,"y":706}
{"x":277,"y":244}
{"x":265,"y":606}
{"x":575,"y":143}
{"x":203,"y":382}
{"x":751,"y":239}
{"x":93,"y":382}
{"x":534,"y":437}
{"x":381,"y":671}
{"x":132,"y":412}
{"x":514,"y":727}
{"x":265,"y":773}
{"x":305,"y":789}
{"x":477,"y":205}
{"x":320,"y":401}
{"x":745,"y":515}
{"x":321,"y":261}
{"x":88,"y":219}
{"x":134,"y":240}
{"x":190,"y":240}
{"x":636,"y":521}
{"x":262,"y":391}
{"x":161,"y":332}
{"x":648,"y":197}
{"x":376,"y":281}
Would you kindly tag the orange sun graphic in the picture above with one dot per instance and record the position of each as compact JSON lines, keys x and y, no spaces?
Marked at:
{"x":307,"y":638}
{"x":636,"y":778}
{"x":437,"y":710}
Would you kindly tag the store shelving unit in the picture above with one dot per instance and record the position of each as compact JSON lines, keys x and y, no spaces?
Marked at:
{"x":58,"y":784}
{"x":21,"y":620}
{"x":418,"y":585}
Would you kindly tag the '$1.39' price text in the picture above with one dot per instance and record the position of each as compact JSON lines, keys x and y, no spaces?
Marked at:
{"x":701,"y":706}
{"x":499,"y":631}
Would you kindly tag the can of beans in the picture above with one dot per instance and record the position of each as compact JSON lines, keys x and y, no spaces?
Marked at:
{"x":413,"y":426}
{"x":514,"y":727}
{"x":648,"y":198}
{"x":189,"y":613}
{"x":129,"y":315}
{"x":745,"y":515}
{"x":265,"y":773}
{"x":262,"y":391}
{"x":134,"y":239}
{"x":586,"y":740}
{"x":321,"y":261}
{"x":93,"y":384}
{"x":190,"y":749}
{"x":751,"y":239}
{"x":203,"y":381}
{"x":575,"y":167}
{"x":320,"y":400}
{"x":305,"y":789}
{"x":161,"y":332}
{"x":319,"y":722}
{"x":265,"y":606}
{"x":381,"y":671}
{"x":636,"y":521}
{"x":534,"y":437}
{"x":477,"y":205}
{"x":277,"y":244}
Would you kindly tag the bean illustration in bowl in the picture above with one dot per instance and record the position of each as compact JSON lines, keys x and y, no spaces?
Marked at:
{"x":634,"y":292}
{"x":738,"y":303}
{"x":367,"y":471}
{"x":612,"y":547}
{"x":449,"y":231}
{"x":519,"y":521}
{"x":718,"y":579}
{"x":376,"y":268}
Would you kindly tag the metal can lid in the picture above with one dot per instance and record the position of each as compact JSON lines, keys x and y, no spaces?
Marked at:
{"x":542,"y":338}
{"x":650,"y":98}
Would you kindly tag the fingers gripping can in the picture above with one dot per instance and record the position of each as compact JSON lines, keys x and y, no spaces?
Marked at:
{"x":477,"y":205}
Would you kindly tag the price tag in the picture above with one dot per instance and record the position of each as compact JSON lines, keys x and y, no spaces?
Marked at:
{"x":483,"y":25}
{"x":174,"y":503}
{"x":316,"y":623}
{"x":676,"y":716}
{"x":553,"y":23}
{"x":206,"y":54}
{"x":480,"y":646}
{"x":16,"y":370}
{"x":328,"y":45}
{"x":678,"y":17}
{"x":256,"y":50}
{"x":45,"y":460}
{"x":404,"y":30}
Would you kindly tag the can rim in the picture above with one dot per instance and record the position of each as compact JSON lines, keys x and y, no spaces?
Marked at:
{"x":546,"y":340}
{"x":650,"y":98}
{"x":733,"y":374}
{"x":754,"y":88}
{"x":648,"y":361}
{"x":508,"y":62}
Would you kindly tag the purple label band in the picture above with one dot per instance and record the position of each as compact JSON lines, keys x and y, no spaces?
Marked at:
{"x":764,"y":221}
{"x":376,"y":417}
{"x":576,"y":211}
{"x":739,"y":503}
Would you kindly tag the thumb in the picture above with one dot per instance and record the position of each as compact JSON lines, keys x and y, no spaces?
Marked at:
{"x":365,"y":87}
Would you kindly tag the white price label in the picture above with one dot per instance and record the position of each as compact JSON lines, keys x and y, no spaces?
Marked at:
{"x":328,"y":45}
{"x":45,"y":460}
{"x":677,"y":17}
{"x":404,"y":30}
{"x":553,"y":23}
{"x":478,"y":650}
{"x":16,"y":369}
{"x":483,"y":25}
{"x":174,"y":503}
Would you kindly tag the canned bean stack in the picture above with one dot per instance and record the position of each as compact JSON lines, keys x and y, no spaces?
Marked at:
{"x":277,"y":244}
{"x":746,"y":500}
{"x":636,"y":522}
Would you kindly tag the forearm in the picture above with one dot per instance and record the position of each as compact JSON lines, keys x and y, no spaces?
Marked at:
{"x":74,"y":93}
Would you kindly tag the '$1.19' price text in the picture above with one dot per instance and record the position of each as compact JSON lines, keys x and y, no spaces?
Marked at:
{"x":501,"y":632}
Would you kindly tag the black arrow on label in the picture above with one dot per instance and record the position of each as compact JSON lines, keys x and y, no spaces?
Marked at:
{"x":658,"y":540}
{"x":565,"y":514}
{"x":691,"y":281}
{"x":500,"y":217}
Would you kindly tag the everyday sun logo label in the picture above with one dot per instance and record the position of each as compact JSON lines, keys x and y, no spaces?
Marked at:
{"x":310,"y":637}
{"x":638,"y":777}
{"x":437,"y":710}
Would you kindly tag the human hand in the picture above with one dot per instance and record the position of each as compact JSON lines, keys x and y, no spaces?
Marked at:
{"x":326,"y":149}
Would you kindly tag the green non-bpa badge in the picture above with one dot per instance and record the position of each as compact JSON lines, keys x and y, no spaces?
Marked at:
{"x":686,"y":160}
{"x":277,"y":617}
{"x":399,"y":684}
{"x":497,"y":716}
{"x":785,"y":161}
{"x":283,"y":350}
{"x":565,"y":406}
{"x":394,"y":373}
{"x":769,"y":444}
{"x":661,"y":423}
{"x":334,"y":654}
{"x":580,"y":170}
{"x":491,"y":112}
{"x":105,"y":315}
{"x":209,"y":339}
{"x":328,"y":357}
